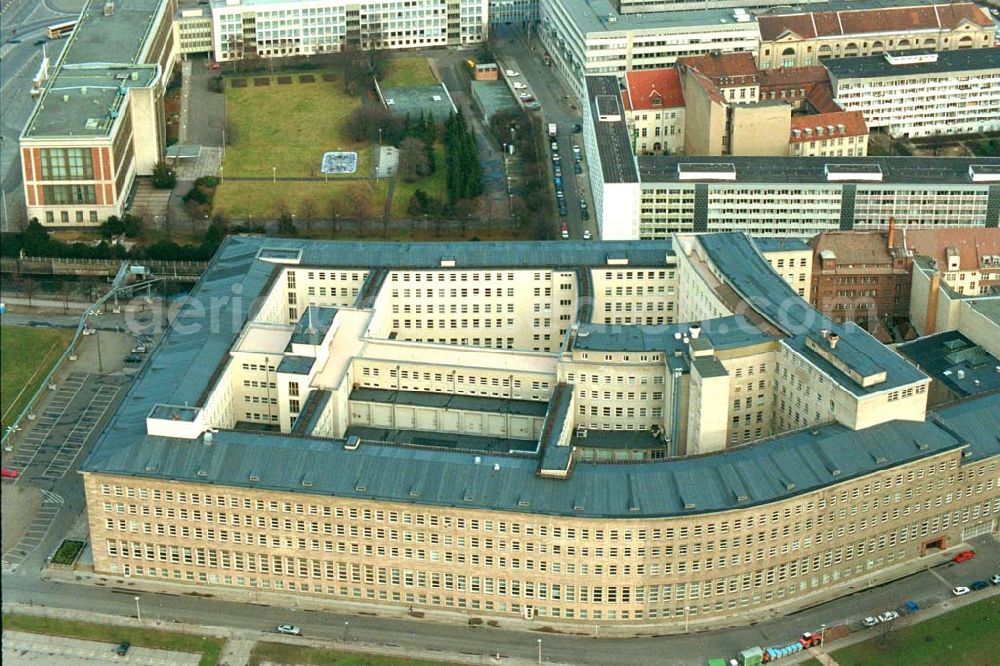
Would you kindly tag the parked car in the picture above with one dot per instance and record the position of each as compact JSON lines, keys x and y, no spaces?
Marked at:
{"x":139,"y":349}
{"x":576,"y":150}
{"x":577,"y":128}
{"x":511,"y":72}
{"x":214,"y":66}
{"x":960,"y":590}
{"x":995,"y":579}
{"x":965,"y":555}
{"x":556,"y":159}
{"x":564,"y":235}
{"x":558,"y":170}
{"x":14,"y":40}
{"x":558,"y":181}
{"x":289,"y":629}
{"x":89,"y":330}
{"x":584,"y":215}
{"x":978,"y":585}
{"x":8,"y":473}
{"x":587,"y":235}
{"x":554,"y":147}
{"x":888,"y":616}
{"x":39,"y":42}
{"x":133,"y":359}
{"x":519,"y":86}
{"x":122,"y":648}
{"x":869,"y":621}
{"x":577,"y":169}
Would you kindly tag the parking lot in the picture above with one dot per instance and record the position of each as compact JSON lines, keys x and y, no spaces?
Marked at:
{"x":69,"y":418}
{"x":22,"y":648}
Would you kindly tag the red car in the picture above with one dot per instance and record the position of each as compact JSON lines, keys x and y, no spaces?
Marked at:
{"x":965,"y":555}
{"x":8,"y":473}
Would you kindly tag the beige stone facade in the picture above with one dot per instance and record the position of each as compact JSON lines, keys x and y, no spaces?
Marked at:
{"x":555,"y":569}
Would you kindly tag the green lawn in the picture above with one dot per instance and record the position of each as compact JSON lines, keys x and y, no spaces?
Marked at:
{"x":434,"y":185}
{"x":407,"y":71}
{"x":209,"y":647}
{"x":280,"y":653}
{"x":242,"y":199}
{"x":26,"y":356}
{"x":288,"y":127}
{"x":969,"y":636}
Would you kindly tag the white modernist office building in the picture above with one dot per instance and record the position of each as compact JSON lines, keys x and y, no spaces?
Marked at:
{"x":922,"y":93}
{"x":275,"y":28}
{"x":586,"y":38}
{"x":654,"y":196}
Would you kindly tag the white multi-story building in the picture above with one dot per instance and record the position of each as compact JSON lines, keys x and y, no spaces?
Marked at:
{"x":193,"y":30}
{"x":513,"y":11}
{"x":594,"y":38}
{"x":922,"y":94}
{"x":276,"y":28}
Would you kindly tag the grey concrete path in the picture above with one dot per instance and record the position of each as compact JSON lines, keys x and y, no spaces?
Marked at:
{"x":237,"y":651}
{"x":22,"y":648}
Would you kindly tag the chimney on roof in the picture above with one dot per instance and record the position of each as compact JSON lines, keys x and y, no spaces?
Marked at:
{"x":892,"y":233}
{"x":833,"y":338}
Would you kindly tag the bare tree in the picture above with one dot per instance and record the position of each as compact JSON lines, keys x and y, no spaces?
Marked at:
{"x":333,"y":209}
{"x":307,"y":211}
{"x":361,"y":206}
{"x":29,"y":287}
{"x":413,"y":162}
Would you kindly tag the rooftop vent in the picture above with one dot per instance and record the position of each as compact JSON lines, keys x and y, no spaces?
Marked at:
{"x":202,"y":473}
{"x":254,"y":476}
{"x":109,"y":8}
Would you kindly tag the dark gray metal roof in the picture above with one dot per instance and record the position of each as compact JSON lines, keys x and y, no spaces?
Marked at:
{"x":296,"y":365}
{"x":470,"y":403}
{"x":709,"y":366}
{"x":871,"y":67}
{"x":313,"y":325}
{"x":943,"y":355}
{"x":467,"y":255}
{"x":895,"y":170}
{"x":775,"y":469}
{"x":613,"y":139}
{"x":751,"y":276}
{"x":781,"y":244}
{"x":724,"y":333}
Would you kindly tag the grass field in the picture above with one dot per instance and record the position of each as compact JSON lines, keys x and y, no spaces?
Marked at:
{"x":969,"y":636}
{"x":407,"y":71}
{"x":242,"y":199}
{"x":26,"y":356}
{"x":280,"y":653}
{"x":288,"y":127}
{"x":209,"y":647}
{"x":434,"y":185}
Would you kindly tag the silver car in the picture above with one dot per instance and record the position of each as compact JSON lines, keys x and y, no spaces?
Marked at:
{"x":289,"y":629}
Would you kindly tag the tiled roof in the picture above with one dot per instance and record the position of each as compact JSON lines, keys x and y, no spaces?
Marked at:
{"x":971,"y":243}
{"x":646,"y":84}
{"x":853,"y":247}
{"x":852,"y":121}
{"x":725,"y":69}
{"x":810,"y":25}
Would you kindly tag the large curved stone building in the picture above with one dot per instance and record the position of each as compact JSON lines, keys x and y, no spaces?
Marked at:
{"x":633,"y":434}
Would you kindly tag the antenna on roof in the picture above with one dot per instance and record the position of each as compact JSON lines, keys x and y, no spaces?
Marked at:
{"x":310,"y":329}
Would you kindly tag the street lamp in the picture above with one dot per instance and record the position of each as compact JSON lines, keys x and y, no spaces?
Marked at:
{"x":274,"y":174}
{"x":539,"y":650}
{"x":346,"y":623}
{"x":138,"y":612}
{"x":822,"y":634}
{"x":222,"y":177}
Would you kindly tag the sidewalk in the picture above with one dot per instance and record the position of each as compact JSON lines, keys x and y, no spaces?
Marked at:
{"x":244,"y":639}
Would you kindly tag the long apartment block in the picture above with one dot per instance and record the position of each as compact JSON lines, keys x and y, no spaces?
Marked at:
{"x":646,"y":434}
{"x":654,"y":196}
{"x":279,"y":28}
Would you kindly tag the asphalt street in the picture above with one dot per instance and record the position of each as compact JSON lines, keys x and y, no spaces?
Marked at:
{"x":558,"y":107}
{"x":23,"y":20}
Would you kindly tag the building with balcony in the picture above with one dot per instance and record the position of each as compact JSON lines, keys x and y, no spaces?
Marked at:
{"x":279,"y":28}
{"x":922,"y":93}
{"x":386,"y":425}
{"x":98,"y":124}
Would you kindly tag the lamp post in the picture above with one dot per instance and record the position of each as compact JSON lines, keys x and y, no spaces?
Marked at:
{"x":138,"y":612}
{"x":687,"y":617}
{"x":274,"y":174}
{"x":346,"y":624}
{"x":822,"y":634}
{"x":539,"y":650}
{"x":222,"y":177}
